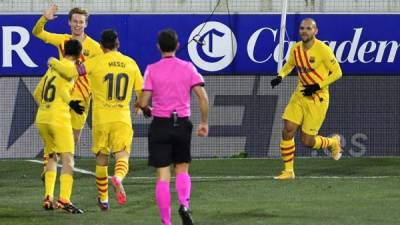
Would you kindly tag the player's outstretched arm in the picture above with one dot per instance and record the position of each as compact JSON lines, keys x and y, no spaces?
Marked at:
{"x":333,"y":66}
{"x":286,"y":69}
{"x":67,"y":71}
{"x":202,"y":130}
{"x":39,"y":31}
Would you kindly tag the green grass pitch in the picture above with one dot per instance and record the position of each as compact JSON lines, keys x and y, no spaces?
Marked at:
{"x":353,"y":191}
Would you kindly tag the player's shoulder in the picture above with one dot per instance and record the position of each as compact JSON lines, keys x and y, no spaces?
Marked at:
{"x":322,"y":45}
{"x":128,"y":59}
{"x":130,"y":62}
{"x":295,"y":45}
{"x":91,"y":41}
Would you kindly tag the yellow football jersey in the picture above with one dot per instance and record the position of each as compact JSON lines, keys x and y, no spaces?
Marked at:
{"x":112,"y":76}
{"x":53,"y":94}
{"x":316,"y":65}
{"x":90,"y":49}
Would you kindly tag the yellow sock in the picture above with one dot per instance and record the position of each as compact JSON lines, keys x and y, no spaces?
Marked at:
{"x":45,"y":161}
{"x":323,"y":142}
{"x":287,"y":152}
{"x":121,"y":168}
{"x":102,"y":182}
{"x":50,"y":182}
{"x":66,"y":181}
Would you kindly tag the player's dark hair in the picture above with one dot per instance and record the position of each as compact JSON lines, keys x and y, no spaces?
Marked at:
{"x":109,"y":39}
{"x":168,"y":40}
{"x":72,"y":48}
{"x":78,"y":10}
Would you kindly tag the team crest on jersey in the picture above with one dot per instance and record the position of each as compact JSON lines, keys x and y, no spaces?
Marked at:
{"x":86,"y":52}
{"x":312,"y":59}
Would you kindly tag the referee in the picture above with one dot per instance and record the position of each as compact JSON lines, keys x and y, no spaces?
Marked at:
{"x":168,"y":84}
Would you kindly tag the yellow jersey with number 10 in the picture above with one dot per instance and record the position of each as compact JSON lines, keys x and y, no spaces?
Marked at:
{"x":113,"y":77}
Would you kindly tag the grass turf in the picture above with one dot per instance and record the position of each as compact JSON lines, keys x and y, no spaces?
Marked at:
{"x":222,"y":201}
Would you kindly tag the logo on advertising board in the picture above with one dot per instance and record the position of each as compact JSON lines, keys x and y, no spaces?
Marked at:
{"x":212,"y":46}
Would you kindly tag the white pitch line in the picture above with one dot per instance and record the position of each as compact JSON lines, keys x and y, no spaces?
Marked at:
{"x":78,"y":170}
{"x":75,"y":169}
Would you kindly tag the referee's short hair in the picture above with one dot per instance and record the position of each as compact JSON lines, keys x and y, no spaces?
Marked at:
{"x":72,"y":48}
{"x":168,"y":40}
{"x":109,"y":39}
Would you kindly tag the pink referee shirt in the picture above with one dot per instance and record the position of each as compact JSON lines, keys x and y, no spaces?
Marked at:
{"x":171,"y":80}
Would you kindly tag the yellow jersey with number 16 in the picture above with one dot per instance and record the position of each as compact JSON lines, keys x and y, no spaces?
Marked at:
{"x":53,"y":94}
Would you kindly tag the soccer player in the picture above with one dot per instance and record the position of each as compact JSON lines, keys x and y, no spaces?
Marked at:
{"x":78,"y":21}
{"x":112,"y":78}
{"x":168,"y":83}
{"x":317,"y":68}
{"x":53,"y":121}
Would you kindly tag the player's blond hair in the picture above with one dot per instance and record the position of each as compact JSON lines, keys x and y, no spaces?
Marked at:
{"x":80,"y":11}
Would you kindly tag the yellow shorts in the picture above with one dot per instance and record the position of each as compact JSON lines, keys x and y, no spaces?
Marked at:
{"x":56,"y":139}
{"x":112,"y":137}
{"x":78,"y":121}
{"x":307,"y":111}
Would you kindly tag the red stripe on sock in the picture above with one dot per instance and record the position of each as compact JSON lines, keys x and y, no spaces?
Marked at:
{"x":101,"y":178}
{"x":121,"y":166}
{"x":122,"y":163}
{"x":102,"y":185}
{"x":119,"y":170}
{"x":289,"y":160}
{"x":287,"y":148}
{"x":288,"y":154}
{"x":102,"y":190}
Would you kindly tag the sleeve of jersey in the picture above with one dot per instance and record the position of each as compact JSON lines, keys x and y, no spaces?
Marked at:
{"x":37,"y":94}
{"x":148,"y":84}
{"x":334,"y":68}
{"x":68,"y":71}
{"x":289,"y":65}
{"x":51,"y":38}
{"x":138,"y":85}
{"x":197,"y":78}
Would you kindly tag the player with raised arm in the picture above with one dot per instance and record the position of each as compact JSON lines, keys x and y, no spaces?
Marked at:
{"x":78,"y":21}
{"x":113,"y":76}
{"x":317,"y":68}
{"x":53,"y":120}
{"x":168,"y":84}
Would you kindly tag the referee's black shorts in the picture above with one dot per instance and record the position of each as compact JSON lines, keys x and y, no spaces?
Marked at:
{"x":169,"y":142}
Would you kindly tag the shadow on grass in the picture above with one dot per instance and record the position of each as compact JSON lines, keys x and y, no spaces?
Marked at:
{"x":234,"y":217}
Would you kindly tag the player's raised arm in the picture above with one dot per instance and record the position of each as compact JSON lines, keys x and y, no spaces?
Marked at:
{"x":333,"y":66}
{"x":39,"y":31}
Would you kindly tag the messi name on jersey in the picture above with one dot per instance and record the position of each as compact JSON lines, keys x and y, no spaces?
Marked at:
{"x":116,"y":64}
